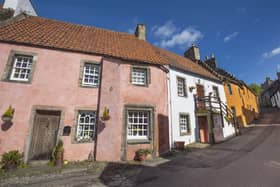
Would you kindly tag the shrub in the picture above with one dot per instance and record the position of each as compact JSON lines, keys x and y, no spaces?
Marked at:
{"x":105,"y":114}
{"x":57,"y":154}
{"x":9,"y":112}
{"x":11,"y":159}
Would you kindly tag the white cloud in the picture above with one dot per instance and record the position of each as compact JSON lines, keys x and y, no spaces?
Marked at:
{"x":165,"y":30}
{"x":183,"y":38}
{"x":231,"y":36}
{"x":272,"y":53}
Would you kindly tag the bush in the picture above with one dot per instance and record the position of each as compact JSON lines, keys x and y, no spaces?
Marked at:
{"x":11,"y":160}
{"x":9,"y":112}
{"x":57,"y":154}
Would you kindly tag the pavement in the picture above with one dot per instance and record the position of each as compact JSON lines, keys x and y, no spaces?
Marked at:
{"x":252,"y":159}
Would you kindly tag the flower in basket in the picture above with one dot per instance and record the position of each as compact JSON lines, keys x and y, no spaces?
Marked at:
{"x":105,"y":114}
{"x":8,"y":115}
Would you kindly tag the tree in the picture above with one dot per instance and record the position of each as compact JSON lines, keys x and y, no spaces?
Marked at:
{"x":255,"y":88}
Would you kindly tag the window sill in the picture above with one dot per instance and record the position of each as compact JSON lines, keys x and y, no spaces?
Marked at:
{"x":186,"y":134}
{"x":82,"y":142}
{"x":138,"y":141}
{"x":182,"y":96}
{"x":89,"y":86}
{"x":140,"y":85}
{"x":17,"y":81}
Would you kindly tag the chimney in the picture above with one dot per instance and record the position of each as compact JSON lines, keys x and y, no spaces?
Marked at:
{"x":20,"y":6}
{"x":278,"y":75}
{"x":211,"y":61}
{"x":140,"y":32}
{"x":193,"y":53}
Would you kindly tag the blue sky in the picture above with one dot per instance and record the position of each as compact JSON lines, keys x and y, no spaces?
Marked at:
{"x":243,"y":35}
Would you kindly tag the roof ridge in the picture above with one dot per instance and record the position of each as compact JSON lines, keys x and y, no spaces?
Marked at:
{"x":82,"y":25}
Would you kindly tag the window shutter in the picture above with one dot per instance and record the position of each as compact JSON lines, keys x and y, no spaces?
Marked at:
{"x":148,"y":76}
{"x":8,"y":68}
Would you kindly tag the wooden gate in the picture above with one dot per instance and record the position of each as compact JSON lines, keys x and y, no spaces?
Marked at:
{"x":44,"y":136}
{"x":200,"y":94}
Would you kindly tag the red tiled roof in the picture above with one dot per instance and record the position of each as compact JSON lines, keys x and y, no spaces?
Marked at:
{"x":55,"y":34}
{"x":42,"y":32}
{"x":184,"y":63}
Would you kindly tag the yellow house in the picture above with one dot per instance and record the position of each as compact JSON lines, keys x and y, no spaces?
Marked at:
{"x":240,"y":98}
{"x":242,"y":101}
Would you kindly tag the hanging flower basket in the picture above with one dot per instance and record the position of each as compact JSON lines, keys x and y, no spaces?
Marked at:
{"x":8,"y":115}
{"x":105,"y":115}
{"x":7,"y":119}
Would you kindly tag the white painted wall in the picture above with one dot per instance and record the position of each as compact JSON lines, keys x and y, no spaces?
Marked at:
{"x":275,"y":99}
{"x":179,"y":105}
{"x":20,"y":6}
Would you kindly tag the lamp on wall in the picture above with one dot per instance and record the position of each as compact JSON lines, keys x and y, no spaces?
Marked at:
{"x":191,"y":88}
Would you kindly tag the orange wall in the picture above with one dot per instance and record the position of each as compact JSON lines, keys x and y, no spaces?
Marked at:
{"x":244,"y":101}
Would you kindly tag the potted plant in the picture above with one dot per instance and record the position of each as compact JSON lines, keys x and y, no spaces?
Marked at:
{"x":105,"y":114}
{"x":57,"y":154}
{"x":180,"y":145}
{"x":143,"y":154}
{"x":8,"y":115}
{"x":11,"y":160}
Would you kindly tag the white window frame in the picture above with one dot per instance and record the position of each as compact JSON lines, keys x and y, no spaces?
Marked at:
{"x":137,"y":121}
{"x":95,"y":74}
{"x":181,"y":87}
{"x":139,"y":76}
{"x":81,"y":126}
{"x":28,"y":68}
{"x":184,"y":124}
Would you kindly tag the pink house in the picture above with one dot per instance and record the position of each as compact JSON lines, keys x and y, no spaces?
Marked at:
{"x":59,"y":78}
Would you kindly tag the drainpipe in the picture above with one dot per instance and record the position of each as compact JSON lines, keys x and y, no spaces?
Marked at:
{"x":212,"y":136}
{"x":169,"y":110}
{"x":98,"y":111}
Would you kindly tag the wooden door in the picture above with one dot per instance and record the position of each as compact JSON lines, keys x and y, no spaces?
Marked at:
{"x":44,"y":136}
{"x":200,"y":94}
{"x":203,"y":129}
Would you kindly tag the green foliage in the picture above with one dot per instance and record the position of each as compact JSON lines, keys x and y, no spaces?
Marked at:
{"x":255,"y":88}
{"x":12,"y":157}
{"x":143,"y":152}
{"x":227,"y":119}
{"x":105,"y":114}
{"x":9,"y":112}
{"x":56,"y":152}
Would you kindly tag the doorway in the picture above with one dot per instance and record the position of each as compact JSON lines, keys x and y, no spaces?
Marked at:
{"x":44,"y":135}
{"x":203,"y":129}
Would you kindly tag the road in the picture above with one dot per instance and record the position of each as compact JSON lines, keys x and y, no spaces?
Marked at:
{"x":252,"y":159}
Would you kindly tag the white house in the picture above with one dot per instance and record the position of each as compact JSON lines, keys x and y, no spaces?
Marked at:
{"x":275,"y":99}
{"x":20,"y":6}
{"x":187,"y":80}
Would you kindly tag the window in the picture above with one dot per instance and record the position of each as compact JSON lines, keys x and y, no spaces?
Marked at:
{"x":181,"y":87}
{"x":233,"y":111}
{"x":21,"y":68}
{"x":216,"y":92}
{"x":229,"y":89}
{"x":139,"y":76}
{"x":138,"y":125}
{"x":86,"y":125}
{"x":91,"y":74}
{"x":184,"y":122}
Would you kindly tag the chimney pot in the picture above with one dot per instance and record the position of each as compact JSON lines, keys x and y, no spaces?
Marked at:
{"x":140,"y":31}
